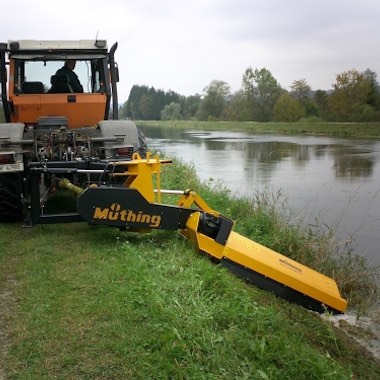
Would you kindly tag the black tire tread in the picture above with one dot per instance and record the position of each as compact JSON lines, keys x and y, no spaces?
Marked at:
{"x":10,"y":197}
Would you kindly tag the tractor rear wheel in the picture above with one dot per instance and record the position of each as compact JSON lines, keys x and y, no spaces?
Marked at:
{"x":10,"y":197}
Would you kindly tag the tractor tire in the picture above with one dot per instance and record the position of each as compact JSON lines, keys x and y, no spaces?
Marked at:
{"x":10,"y":198}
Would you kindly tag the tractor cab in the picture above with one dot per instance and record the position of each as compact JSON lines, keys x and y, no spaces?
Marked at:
{"x":35,"y":90}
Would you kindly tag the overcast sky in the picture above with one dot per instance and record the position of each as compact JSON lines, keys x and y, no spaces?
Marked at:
{"x":182,"y":45}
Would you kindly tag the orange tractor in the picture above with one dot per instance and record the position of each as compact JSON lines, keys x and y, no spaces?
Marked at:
{"x":51,"y":131}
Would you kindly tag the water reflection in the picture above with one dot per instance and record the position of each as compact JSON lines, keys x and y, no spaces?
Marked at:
{"x":330,"y":179}
{"x":347,"y":163}
{"x":350,"y":163}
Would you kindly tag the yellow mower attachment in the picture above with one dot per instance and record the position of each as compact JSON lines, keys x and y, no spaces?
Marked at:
{"x":269,"y":270}
{"x":136,"y":205}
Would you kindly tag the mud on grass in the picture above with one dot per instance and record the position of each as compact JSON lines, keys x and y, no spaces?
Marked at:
{"x":92,"y":302}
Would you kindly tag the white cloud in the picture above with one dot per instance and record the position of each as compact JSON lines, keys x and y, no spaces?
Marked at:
{"x":183,"y":45}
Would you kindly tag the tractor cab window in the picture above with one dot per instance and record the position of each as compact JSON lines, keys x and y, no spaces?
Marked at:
{"x":37,"y":76}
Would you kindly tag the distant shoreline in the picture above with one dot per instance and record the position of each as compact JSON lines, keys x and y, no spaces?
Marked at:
{"x":357,"y":130}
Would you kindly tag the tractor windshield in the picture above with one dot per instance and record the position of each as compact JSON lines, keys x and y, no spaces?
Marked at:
{"x":88,"y":73}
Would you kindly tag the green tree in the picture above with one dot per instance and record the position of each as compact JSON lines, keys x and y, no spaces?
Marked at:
{"x":321,"y":100}
{"x":354,"y":97}
{"x":302,"y":92}
{"x":146,"y":103}
{"x":214,"y":100}
{"x":171,"y":111}
{"x":373,"y":97}
{"x":235,"y":108}
{"x":262,"y":92}
{"x":131,"y":108}
{"x":190,"y":106}
{"x":288,"y":109}
{"x":146,"y":106}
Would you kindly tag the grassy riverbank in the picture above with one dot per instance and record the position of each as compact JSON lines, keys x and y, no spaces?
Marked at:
{"x":80,"y":302}
{"x":362,"y":130}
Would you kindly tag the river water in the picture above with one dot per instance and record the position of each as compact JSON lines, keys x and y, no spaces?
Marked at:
{"x":325,"y":180}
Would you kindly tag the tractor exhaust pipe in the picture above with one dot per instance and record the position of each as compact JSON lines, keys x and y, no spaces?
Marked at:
{"x":114,"y":79}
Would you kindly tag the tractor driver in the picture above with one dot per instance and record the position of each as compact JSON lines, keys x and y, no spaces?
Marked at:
{"x":68,"y":70}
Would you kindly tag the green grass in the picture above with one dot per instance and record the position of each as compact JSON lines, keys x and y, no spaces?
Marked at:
{"x":90,"y":302}
{"x":307,"y":127}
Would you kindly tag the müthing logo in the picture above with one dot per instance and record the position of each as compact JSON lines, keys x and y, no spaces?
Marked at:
{"x":290,"y":265}
{"x":114,"y":212}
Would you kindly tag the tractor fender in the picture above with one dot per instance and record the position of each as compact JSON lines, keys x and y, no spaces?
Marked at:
{"x":124,"y":131}
{"x":12,"y":138}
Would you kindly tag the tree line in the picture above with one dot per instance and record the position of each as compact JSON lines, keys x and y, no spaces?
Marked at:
{"x":354,"y":97}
